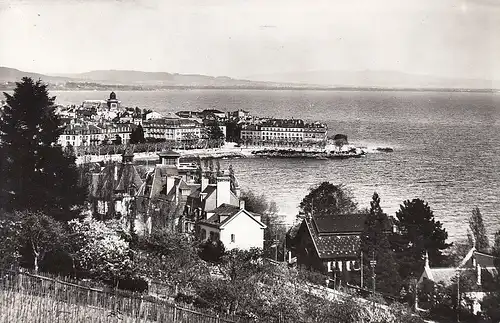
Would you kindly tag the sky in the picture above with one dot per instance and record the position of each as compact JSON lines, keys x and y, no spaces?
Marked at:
{"x":241,"y":38}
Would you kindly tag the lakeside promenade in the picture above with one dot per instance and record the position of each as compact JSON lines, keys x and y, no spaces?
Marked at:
{"x":229,"y":150}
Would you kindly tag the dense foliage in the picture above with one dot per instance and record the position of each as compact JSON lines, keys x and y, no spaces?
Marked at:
{"x":36,"y":174}
{"x":137,"y":135}
{"x":417,"y":233}
{"x":328,"y":200}
{"x":375,"y":246}
{"x":478,"y":231}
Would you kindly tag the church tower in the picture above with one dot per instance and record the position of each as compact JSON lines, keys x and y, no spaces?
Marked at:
{"x":113,"y":103}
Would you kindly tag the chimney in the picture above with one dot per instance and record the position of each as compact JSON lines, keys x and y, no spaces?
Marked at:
{"x":426,"y":260}
{"x":204,"y":183}
{"x":223,"y":191}
{"x":242,"y":204}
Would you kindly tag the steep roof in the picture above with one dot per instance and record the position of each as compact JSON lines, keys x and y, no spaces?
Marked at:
{"x":333,"y":245}
{"x":127,"y":177}
{"x":444,"y":275}
{"x":483,"y":259}
{"x":160,"y":178}
{"x":348,"y":223}
{"x":104,"y":185}
{"x":227,"y":212}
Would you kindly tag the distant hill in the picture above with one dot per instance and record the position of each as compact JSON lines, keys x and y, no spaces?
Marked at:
{"x":377,"y":79}
{"x":159,"y":78}
{"x":136,"y":80}
{"x":8,"y":74}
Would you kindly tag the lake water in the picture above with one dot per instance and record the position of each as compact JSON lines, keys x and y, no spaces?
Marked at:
{"x":447,"y":148}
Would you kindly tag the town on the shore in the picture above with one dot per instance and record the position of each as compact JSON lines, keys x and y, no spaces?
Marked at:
{"x":102,"y":127}
{"x":185,"y":228}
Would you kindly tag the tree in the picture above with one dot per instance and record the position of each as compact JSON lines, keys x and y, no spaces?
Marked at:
{"x":40,"y":234}
{"x":478,"y":230}
{"x":169,"y":257}
{"x":10,"y":231}
{"x":375,"y":244}
{"x":137,"y":135}
{"x":118,"y":140}
{"x":211,"y":251}
{"x":254,"y":203}
{"x":215,"y":132}
{"x":100,"y":251}
{"x":327,"y":200}
{"x":418,"y":233}
{"x":36,"y":174}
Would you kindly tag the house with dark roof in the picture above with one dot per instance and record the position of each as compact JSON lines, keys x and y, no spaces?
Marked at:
{"x":113,"y":191}
{"x":329,"y":244}
{"x":162,"y":199}
{"x":223,"y":189}
{"x":234,"y":226}
{"x":478,"y":265}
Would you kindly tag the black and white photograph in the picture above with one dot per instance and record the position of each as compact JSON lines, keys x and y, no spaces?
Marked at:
{"x":243,"y":161}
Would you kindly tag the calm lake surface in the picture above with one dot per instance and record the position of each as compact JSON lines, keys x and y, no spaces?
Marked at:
{"x":447,"y":147}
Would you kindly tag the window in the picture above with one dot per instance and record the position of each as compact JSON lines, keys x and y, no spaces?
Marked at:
{"x":233,"y":238}
{"x":212,"y":235}
{"x":203,"y":234}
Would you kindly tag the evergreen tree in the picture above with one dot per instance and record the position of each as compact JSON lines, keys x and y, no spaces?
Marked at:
{"x":36,"y":174}
{"x":118,"y":140}
{"x":327,"y":200}
{"x":215,"y":132}
{"x":375,"y":245}
{"x":418,"y":232}
{"x":478,"y":230}
{"x":137,"y":135}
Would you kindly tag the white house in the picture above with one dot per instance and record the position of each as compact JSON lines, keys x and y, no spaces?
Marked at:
{"x":234,"y":226}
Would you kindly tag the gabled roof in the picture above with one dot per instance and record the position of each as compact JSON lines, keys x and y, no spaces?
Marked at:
{"x":334,"y":245}
{"x":127,"y":177}
{"x":444,"y":275}
{"x":347,"y":223}
{"x":104,"y":185}
{"x":227,"y":213}
{"x":343,"y":224}
{"x":159,"y":180}
{"x":482,"y":259}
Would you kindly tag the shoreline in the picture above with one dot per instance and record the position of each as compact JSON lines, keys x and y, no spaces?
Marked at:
{"x":229,"y":151}
{"x":209,"y":153}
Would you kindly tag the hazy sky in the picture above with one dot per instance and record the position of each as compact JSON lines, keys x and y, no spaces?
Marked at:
{"x":238,"y":38}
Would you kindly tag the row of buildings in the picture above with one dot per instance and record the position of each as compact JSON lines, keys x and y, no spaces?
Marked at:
{"x":176,"y":196}
{"x":98,"y":122}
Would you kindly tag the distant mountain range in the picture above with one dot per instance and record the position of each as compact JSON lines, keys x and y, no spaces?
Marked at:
{"x":104,"y":79}
{"x":379,"y":79}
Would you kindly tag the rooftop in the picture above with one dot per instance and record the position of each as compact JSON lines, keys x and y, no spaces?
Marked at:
{"x":334,"y":246}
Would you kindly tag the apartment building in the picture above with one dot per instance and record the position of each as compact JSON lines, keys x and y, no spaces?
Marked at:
{"x":172,"y":129}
